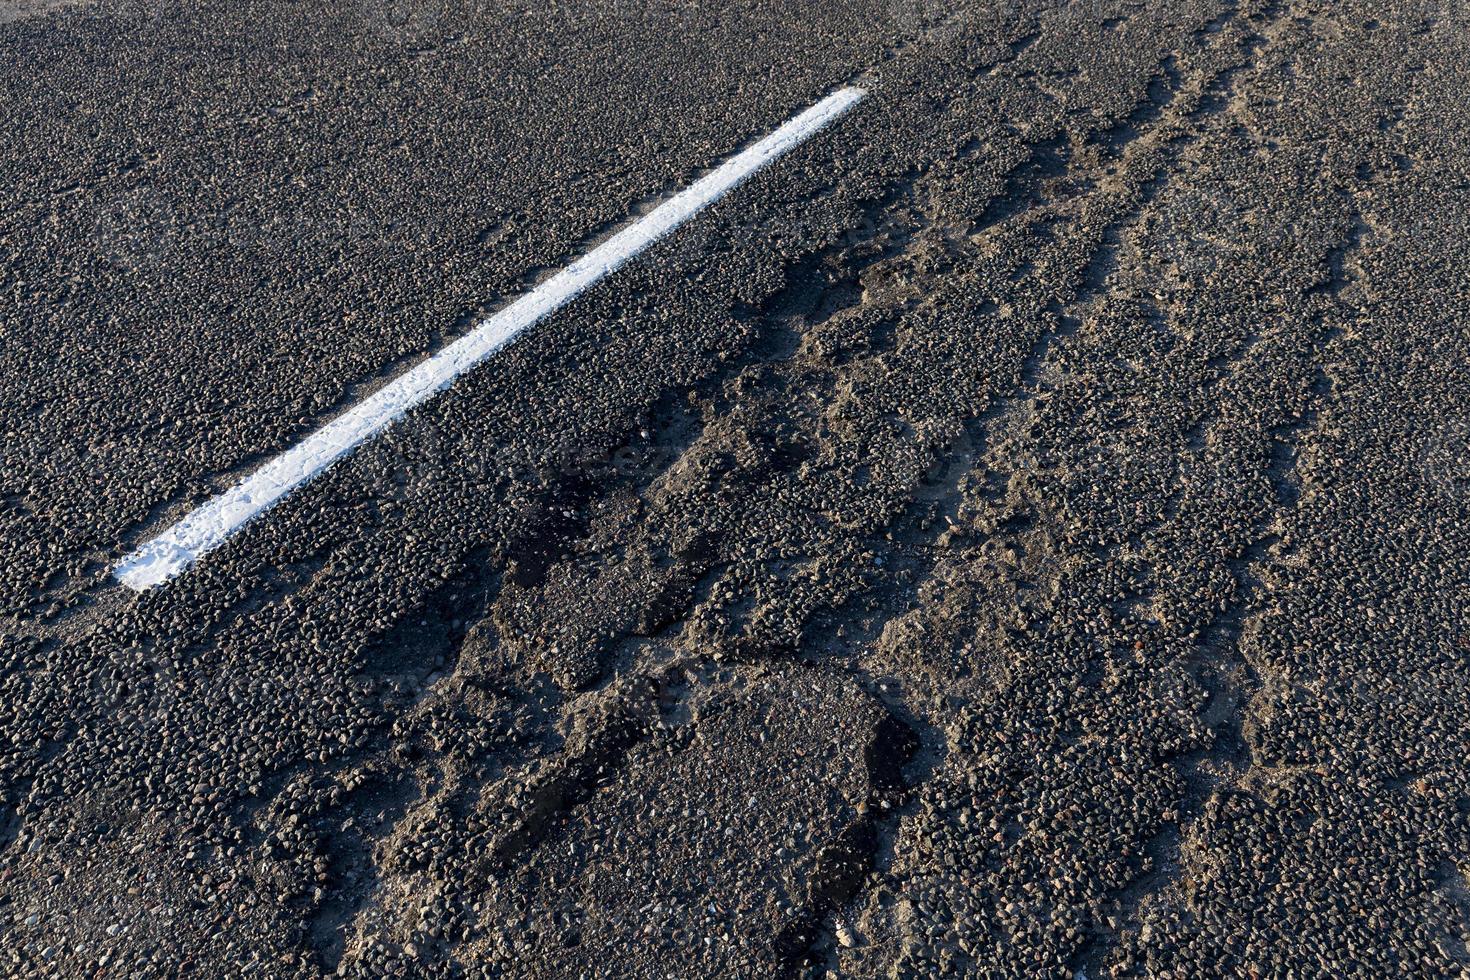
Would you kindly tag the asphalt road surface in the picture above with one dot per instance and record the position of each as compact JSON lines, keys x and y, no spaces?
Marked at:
{"x":1020,"y":533}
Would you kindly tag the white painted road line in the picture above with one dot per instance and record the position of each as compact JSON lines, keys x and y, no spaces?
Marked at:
{"x":211,"y":524}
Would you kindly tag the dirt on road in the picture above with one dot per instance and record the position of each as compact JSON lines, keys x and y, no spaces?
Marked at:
{"x":1020,"y":535}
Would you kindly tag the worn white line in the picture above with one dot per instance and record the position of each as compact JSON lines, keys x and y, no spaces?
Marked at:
{"x":213,"y":522}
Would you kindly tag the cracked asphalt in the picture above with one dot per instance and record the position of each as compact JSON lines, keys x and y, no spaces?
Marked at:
{"x":1020,"y":533}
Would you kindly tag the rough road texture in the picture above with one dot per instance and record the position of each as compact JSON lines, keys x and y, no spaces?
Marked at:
{"x":1019,"y":535}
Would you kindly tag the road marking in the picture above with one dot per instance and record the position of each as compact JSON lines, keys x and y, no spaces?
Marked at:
{"x":212,"y":523}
